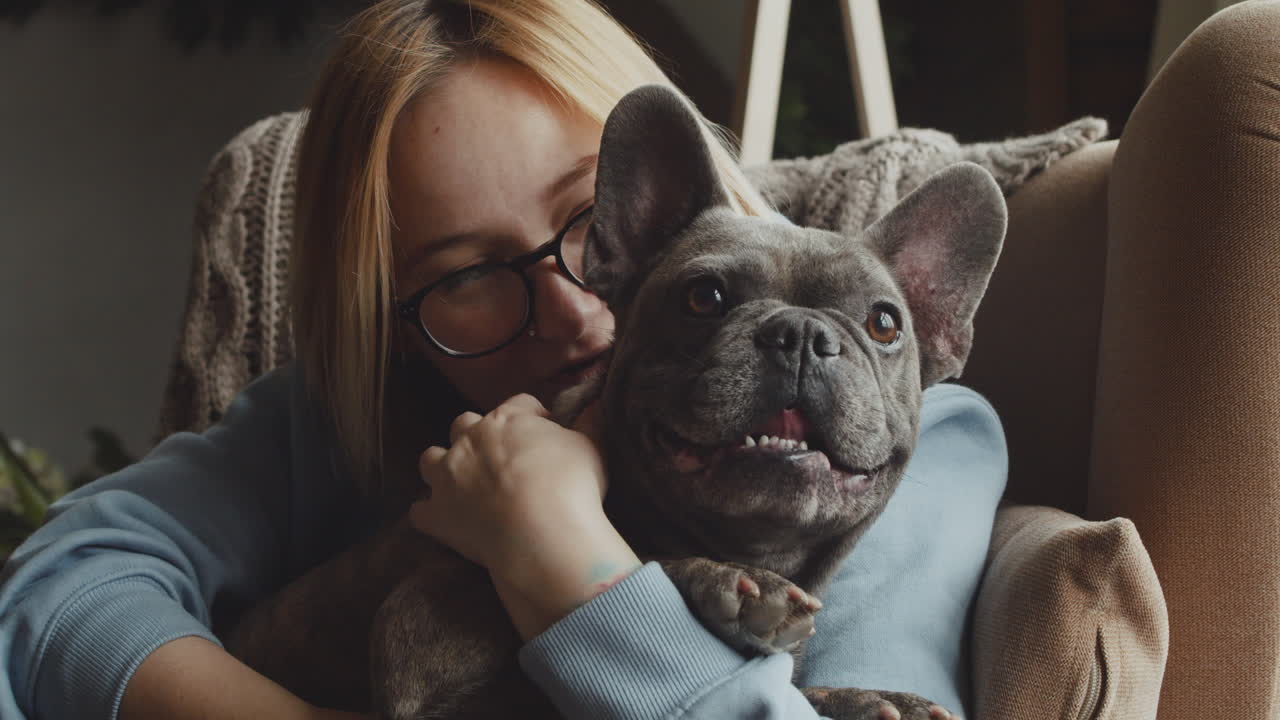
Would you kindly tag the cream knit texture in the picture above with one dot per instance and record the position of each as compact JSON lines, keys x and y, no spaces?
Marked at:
{"x":236,"y":323}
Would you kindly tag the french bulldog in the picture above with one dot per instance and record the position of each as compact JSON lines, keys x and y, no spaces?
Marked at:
{"x":761,"y":403}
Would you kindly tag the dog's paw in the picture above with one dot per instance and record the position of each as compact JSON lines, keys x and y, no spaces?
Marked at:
{"x":854,"y":704}
{"x":753,"y":610}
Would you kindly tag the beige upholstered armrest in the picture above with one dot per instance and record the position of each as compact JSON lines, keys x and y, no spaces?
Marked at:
{"x":1070,"y":621}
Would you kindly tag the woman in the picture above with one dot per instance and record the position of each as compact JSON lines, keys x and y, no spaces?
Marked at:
{"x":381,"y":216}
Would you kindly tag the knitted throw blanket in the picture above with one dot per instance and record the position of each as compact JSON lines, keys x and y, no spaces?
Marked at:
{"x":236,"y":323}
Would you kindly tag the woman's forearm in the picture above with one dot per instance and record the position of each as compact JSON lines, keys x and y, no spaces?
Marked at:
{"x":193,"y":679}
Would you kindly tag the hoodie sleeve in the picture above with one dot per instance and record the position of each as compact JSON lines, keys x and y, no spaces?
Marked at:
{"x":144,"y":556}
{"x":636,"y":651}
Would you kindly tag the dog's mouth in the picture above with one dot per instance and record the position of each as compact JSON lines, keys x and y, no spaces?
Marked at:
{"x":784,"y":438}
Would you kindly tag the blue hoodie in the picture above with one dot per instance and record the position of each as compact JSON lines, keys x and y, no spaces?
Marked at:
{"x":207,"y":524}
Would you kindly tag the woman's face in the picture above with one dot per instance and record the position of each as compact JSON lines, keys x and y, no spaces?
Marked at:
{"x":485,"y":167}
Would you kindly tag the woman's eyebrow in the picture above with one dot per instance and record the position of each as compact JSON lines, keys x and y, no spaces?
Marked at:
{"x":580,"y":169}
{"x":419,"y":254}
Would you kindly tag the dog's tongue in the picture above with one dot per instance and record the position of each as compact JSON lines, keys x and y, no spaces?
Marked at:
{"x":790,"y":424}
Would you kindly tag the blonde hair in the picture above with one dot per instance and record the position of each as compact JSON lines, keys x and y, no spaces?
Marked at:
{"x":341,"y":289}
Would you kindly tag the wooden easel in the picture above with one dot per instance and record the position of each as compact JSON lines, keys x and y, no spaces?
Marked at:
{"x":760,"y":73}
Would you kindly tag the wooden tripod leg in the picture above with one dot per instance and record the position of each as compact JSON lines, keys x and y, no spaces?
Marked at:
{"x":760,"y":78}
{"x":869,"y":67}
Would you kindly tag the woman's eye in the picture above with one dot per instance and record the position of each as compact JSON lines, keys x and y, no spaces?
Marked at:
{"x":462,"y":279}
{"x":882,"y":326}
{"x":705,"y":298}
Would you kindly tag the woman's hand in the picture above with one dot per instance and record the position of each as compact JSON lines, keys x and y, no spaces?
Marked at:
{"x":522,"y":496}
{"x":509,"y":479}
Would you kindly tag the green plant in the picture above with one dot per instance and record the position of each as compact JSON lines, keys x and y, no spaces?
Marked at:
{"x":30,"y":481}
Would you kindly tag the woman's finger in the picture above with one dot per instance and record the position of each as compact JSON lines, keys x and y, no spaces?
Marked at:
{"x":430,"y":458}
{"x":524,"y":402}
{"x":461,"y":423}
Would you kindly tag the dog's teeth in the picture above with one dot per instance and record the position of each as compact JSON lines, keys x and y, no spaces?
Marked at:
{"x":776,"y":441}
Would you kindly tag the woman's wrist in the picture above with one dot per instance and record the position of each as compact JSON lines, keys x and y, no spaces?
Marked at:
{"x":563,"y":573}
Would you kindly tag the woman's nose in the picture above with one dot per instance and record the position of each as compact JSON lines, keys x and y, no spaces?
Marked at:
{"x":562,"y":310}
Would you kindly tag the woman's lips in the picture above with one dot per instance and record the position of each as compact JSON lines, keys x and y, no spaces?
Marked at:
{"x":577,"y":374}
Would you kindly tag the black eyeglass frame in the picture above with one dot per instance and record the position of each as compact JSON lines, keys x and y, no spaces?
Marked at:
{"x":410,"y":308}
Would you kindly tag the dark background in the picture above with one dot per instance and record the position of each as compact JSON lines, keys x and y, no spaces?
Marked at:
{"x":980,"y":70}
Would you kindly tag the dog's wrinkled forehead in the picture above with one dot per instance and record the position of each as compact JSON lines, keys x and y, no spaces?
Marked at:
{"x":801,"y":266}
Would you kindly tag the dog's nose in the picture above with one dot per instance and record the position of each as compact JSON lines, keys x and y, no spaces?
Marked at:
{"x":795,"y":332}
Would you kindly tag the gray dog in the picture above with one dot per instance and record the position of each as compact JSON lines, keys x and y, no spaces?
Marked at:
{"x":762,"y":401}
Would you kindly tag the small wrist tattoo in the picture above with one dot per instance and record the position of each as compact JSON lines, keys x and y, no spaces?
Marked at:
{"x":606,"y":574}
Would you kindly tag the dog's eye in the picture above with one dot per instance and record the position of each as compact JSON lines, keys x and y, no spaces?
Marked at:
{"x":882,"y":326}
{"x":704,"y":298}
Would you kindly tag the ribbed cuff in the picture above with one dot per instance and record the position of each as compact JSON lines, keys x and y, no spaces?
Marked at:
{"x":634,"y":651}
{"x":99,"y":640}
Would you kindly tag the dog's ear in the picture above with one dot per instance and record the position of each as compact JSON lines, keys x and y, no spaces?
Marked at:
{"x":653,"y":177}
{"x":941,"y":243}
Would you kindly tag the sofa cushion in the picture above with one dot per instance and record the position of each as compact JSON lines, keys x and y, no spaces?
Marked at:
{"x":1070,"y":620}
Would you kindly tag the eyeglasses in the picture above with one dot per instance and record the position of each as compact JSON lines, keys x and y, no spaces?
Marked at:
{"x":482,"y":308}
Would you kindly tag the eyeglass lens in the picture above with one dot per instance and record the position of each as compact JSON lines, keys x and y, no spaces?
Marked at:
{"x":482,"y":307}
